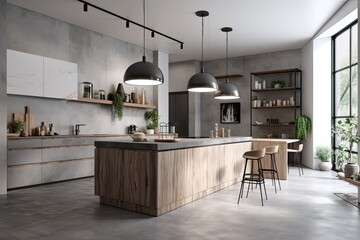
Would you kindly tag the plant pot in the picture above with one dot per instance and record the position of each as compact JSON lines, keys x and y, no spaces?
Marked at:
{"x":149,"y":131}
{"x":325,"y":166}
{"x":156,"y":130}
{"x":277,"y":86}
{"x":351,"y":169}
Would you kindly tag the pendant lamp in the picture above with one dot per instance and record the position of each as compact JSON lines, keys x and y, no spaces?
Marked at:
{"x":202,"y":82}
{"x":143,"y":72}
{"x":227,"y":90}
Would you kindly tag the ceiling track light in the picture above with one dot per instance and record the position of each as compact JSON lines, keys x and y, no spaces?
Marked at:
{"x":128,"y":21}
{"x":227,"y":90}
{"x":143,"y":72}
{"x":85,"y":7}
{"x":152,"y":34}
{"x":202,"y":82}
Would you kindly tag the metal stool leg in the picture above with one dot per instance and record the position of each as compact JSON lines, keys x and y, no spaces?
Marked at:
{"x":277,"y":174}
{"x":242,"y":181}
{"x":260,"y":175}
{"x":262,"y":178}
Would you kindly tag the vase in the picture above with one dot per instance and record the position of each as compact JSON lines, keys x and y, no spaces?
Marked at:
{"x":150,"y":131}
{"x":325,"y":166}
{"x":351,"y":169}
{"x":277,"y":86}
{"x":120,"y":91}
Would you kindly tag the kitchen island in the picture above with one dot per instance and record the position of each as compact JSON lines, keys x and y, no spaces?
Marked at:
{"x":155,"y":178}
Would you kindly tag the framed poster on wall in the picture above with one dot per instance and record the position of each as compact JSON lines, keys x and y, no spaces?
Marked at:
{"x":230,"y":112}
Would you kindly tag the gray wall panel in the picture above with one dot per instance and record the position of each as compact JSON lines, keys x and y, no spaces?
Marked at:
{"x":24,"y":176}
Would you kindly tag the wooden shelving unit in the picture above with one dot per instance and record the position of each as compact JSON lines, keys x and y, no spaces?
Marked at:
{"x":108,"y":102}
{"x":284,"y":112}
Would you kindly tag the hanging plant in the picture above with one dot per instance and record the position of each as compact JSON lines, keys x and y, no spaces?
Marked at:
{"x":302,"y":126}
{"x":118,"y":104}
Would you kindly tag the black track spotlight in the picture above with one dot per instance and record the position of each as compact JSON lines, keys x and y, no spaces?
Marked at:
{"x":127,"y":24}
{"x":85,"y":7}
{"x":181,"y":46}
{"x":153,"y":34}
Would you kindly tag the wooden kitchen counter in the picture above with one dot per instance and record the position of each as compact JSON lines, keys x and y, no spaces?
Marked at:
{"x":281,"y":157}
{"x":155,"y":178}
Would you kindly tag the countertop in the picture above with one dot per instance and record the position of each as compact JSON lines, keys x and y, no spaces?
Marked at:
{"x":161,"y":146}
{"x":277,"y":140}
{"x":69,"y":136}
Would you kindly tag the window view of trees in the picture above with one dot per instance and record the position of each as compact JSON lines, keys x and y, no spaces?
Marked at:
{"x":345,"y":77}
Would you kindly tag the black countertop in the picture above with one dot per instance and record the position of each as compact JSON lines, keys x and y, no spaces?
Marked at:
{"x":162,"y":146}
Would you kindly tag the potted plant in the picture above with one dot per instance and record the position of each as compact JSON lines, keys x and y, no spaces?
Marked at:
{"x":278,"y":84}
{"x":346,"y":131}
{"x":254,"y":100}
{"x":324,"y":155}
{"x":152,"y":118}
{"x":118,"y":104}
{"x":16,"y":126}
{"x":302,"y":126}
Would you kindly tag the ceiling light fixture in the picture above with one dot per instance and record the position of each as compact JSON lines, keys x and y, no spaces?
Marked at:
{"x":85,"y":7}
{"x":227,"y":90}
{"x":128,"y":21}
{"x":202,"y":82}
{"x":143,"y":72}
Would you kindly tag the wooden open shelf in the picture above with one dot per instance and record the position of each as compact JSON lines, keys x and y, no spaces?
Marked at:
{"x":229,"y":76}
{"x":351,"y":181}
{"x":108,"y":102}
{"x":275,"y":89}
{"x":276,"y":107}
{"x":277,"y":71}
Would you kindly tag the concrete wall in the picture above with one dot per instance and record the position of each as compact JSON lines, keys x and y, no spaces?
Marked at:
{"x":101,"y":60}
{"x":3,"y":142}
{"x":161,"y":93}
{"x":243,"y":65}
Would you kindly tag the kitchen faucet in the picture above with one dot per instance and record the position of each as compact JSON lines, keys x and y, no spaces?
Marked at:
{"x":77,"y":128}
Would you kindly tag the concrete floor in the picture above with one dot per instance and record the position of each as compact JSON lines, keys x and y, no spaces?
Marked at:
{"x":306,"y":208}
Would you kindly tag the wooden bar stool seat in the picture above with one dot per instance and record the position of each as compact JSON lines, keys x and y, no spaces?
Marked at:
{"x":252,"y":177}
{"x":272,"y":151}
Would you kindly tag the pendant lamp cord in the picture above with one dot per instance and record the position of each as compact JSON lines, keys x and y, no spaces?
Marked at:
{"x":202,"y":44}
{"x":144,"y":57}
{"x":227,"y":53}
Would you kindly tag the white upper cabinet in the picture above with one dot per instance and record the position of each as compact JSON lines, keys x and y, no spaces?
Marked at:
{"x":60,"y":79}
{"x":33,"y":75}
{"x":25,"y":75}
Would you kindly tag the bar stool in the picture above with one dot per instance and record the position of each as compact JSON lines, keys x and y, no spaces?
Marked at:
{"x":297,"y":153}
{"x":271,"y":151}
{"x":253,"y":178}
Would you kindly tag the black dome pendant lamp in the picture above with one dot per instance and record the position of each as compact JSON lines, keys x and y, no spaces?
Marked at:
{"x":202,"y":82}
{"x":227,"y":90}
{"x":143,"y":72}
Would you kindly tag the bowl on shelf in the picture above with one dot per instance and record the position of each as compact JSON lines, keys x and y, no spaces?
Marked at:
{"x":258,"y":123}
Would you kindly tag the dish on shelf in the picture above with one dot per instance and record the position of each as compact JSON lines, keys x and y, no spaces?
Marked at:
{"x":258,"y":123}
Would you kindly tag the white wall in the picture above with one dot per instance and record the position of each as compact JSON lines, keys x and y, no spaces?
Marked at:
{"x":161,"y":93}
{"x":316,"y":62}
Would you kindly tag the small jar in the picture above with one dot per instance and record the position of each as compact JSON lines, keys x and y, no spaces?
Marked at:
{"x":86,"y":90}
{"x":102,"y":94}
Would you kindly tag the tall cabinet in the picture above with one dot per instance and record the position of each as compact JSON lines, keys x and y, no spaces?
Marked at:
{"x":275,"y":102}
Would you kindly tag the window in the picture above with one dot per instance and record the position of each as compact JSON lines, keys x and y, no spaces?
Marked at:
{"x":344,"y":77}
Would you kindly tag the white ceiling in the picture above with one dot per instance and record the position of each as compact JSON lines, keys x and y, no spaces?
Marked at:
{"x":260,"y":26}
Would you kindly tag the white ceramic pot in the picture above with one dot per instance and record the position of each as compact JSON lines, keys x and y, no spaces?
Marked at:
{"x":351,"y":169}
{"x":138,"y":136}
{"x":150,"y":131}
{"x":325,"y":166}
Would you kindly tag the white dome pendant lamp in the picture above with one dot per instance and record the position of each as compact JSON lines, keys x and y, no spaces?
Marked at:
{"x":227,"y":90}
{"x":143,"y":72}
{"x":202,"y":82}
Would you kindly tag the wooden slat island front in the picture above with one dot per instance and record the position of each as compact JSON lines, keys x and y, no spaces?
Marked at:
{"x":155,"y":178}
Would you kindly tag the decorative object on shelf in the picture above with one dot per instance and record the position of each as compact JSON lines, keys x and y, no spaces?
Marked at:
{"x":167,"y":133}
{"x":351,"y":169}
{"x":230,"y":112}
{"x":228,"y":132}
{"x":278,"y":84}
{"x":259,"y":123}
{"x":152,"y":118}
{"x":346,"y":130}
{"x":202,"y":82}
{"x":138,"y":137}
{"x":118,"y":104}
{"x":216,"y":130}
{"x":324,"y":155}
{"x":16,"y":126}
{"x":86,"y":90}
{"x":302,"y":126}
{"x":132,"y":129}
{"x":254,"y":101}
{"x":143,"y":72}
{"x":120,"y":90}
{"x":227,"y":90}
